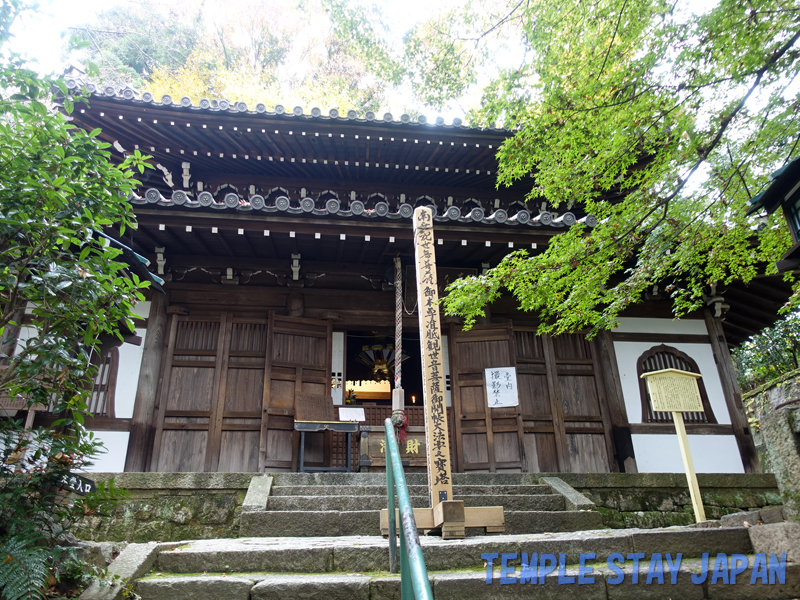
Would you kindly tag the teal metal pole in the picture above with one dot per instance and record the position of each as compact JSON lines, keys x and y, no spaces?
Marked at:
{"x":406,"y":585}
{"x":410,"y":549}
{"x":392,"y":518}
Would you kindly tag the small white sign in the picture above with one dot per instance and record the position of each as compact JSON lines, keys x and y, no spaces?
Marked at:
{"x":350,"y":413}
{"x":501,"y":387}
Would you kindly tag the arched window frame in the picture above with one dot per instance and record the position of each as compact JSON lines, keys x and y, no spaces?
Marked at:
{"x":667,"y":357}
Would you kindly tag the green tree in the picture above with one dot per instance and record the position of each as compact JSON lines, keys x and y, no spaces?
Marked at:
{"x":130,"y":42}
{"x":772,"y":353}
{"x":58,"y":187}
{"x":659,"y":121}
{"x":252,"y":51}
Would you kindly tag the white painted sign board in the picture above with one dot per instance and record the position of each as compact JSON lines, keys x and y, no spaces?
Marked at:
{"x":501,"y":387}
{"x":351,"y":414}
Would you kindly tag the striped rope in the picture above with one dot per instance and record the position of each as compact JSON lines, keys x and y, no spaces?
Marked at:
{"x":398,"y":322}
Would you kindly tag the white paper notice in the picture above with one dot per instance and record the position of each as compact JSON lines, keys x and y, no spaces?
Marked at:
{"x":501,"y":387}
{"x":351,"y":414}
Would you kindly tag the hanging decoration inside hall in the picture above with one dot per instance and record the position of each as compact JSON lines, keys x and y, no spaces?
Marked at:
{"x":380,"y":358}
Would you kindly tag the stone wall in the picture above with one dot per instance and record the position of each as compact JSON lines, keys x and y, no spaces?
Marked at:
{"x":650,"y":500}
{"x":762,"y":401}
{"x":184,"y":506}
{"x":774,"y":413}
{"x":169,"y":507}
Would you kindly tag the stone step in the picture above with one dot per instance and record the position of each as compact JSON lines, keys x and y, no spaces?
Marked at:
{"x":274,"y":523}
{"x":466,"y":584}
{"x":327,"y":479}
{"x":363,"y":554}
{"x":550,"y":502}
{"x":413,"y":490}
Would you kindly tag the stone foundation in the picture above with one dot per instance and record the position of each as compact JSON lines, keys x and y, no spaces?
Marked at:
{"x":775,"y":416}
{"x":649,"y":500}
{"x":185,"y":506}
{"x":170,"y":507}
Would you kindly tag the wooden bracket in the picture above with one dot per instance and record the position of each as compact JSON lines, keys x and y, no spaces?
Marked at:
{"x":490,"y":518}
{"x":449,"y":515}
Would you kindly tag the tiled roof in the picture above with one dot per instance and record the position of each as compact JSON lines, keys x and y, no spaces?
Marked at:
{"x":277,"y":202}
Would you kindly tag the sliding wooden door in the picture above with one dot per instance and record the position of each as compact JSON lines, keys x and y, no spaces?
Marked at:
{"x":228,"y":385}
{"x":563,"y":404}
{"x":298,"y":361}
{"x":486,"y":439}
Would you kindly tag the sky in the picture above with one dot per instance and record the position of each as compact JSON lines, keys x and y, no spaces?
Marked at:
{"x":41,"y":36}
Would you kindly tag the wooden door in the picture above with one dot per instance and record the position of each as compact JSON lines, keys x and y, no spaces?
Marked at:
{"x":486,"y":439}
{"x":298,"y":360}
{"x":563,"y":404}
{"x":188,"y":393}
{"x":216,"y":402}
{"x":237,"y":424}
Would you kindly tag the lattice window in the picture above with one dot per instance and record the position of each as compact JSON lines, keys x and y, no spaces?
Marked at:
{"x":104,"y":386}
{"x":667,"y":357}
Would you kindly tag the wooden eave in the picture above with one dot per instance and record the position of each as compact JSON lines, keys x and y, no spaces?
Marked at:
{"x":304,"y":147}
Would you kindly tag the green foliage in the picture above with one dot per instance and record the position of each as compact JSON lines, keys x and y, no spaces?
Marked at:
{"x":128,"y":43}
{"x":57,"y":187}
{"x":660,"y":121}
{"x":23,"y":569}
{"x":252,"y":51}
{"x":770,"y":354}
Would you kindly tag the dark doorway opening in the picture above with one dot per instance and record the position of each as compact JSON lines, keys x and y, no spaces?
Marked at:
{"x":363,"y":349}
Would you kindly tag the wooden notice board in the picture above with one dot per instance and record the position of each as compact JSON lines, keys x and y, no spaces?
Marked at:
{"x":672,"y":390}
{"x":676,"y":391}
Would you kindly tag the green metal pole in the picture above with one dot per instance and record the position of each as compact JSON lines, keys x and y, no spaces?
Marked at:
{"x":392,"y":518}
{"x":410,"y":549}
{"x":406,"y":586}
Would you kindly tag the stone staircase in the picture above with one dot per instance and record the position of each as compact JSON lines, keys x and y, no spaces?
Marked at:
{"x":348,"y":504}
{"x":315,"y":536}
{"x":355,"y":567}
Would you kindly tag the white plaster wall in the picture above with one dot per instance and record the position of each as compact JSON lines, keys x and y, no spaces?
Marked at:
{"x":629,"y":352}
{"x":130,"y":361}
{"x":112,"y":459}
{"x":676,"y":326}
{"x":654,"y":453}
{"x":25,"y":333}
{"x":337,"y":368}
{"x":710,"y":454}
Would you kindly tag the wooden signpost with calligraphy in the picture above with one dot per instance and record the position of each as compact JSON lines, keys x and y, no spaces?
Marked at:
{"x":446,"y":513}
{"x":440,"y":482}
{"x":675,"y":391}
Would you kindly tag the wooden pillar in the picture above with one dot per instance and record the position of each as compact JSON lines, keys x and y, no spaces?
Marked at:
{"x":140,"y":443}
{"x":732,"y":393}
{"x":620,"y":426}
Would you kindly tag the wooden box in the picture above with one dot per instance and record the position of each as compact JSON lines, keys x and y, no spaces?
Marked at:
{"x":412,"y":451}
